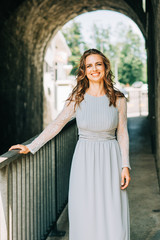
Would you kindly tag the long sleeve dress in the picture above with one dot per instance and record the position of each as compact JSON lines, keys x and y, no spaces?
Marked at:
{"x":98,"y":207}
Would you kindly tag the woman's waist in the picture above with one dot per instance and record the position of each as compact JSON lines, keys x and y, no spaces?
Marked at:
{"x":97,"y":135}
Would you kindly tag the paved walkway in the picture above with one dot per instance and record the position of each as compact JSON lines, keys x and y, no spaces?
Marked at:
{"x":143,"y":192}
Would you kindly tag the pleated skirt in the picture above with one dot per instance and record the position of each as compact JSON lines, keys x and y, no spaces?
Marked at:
{"x":97,"y":207}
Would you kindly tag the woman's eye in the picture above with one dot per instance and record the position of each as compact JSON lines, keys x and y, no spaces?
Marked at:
{"x":88,"y":66}
{"x":99,"y":64}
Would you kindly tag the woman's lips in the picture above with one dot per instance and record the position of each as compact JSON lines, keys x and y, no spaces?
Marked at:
{"x":95,"y":74}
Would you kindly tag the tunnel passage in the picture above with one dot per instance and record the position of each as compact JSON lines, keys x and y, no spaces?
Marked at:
{"x":26,"y":28}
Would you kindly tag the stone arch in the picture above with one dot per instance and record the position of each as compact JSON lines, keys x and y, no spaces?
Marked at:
{"x":36,"y":22}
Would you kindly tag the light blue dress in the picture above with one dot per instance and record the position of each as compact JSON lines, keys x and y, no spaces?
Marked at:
{"x":98,"y":208}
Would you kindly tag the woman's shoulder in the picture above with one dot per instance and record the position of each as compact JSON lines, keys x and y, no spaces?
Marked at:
{"x":121,"y":102}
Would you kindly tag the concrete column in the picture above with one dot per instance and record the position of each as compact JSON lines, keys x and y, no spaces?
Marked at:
{"x":150,"y":44}
{"x":156,"y":25}
{"x":153,"y":50}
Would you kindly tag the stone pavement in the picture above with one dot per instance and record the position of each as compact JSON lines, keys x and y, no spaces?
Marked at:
{"x":143,"y":191}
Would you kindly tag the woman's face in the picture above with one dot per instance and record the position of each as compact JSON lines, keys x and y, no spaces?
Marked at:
{"x":95,"y":69}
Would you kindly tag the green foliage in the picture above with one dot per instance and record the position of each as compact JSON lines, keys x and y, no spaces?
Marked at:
{"x":130,"y":70}
{"x":131,"y":62}
{"x":126,"y":51}
{"x":75,"y":42}
{"x":102,"y":41}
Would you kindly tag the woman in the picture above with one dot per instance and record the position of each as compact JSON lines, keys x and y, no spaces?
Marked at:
{"x":98,"y":201}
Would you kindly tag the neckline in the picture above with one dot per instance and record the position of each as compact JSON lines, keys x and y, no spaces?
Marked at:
{"x":95,"y":96}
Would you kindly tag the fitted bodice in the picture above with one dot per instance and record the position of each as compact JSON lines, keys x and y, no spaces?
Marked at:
{"x":96,"y":119}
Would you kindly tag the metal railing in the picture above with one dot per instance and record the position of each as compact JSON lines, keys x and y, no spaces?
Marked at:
{"x":138,"y":102}
{"x":34,"y":188}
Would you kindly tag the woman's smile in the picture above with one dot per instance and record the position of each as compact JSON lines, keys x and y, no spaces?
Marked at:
{"x":95,"y":74}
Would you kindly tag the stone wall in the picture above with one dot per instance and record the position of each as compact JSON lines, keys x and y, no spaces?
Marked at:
{"x":156,"y":69}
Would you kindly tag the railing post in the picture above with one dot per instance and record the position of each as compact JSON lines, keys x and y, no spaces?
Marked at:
{"x":55,"y":231}
{"x":4,"y":203}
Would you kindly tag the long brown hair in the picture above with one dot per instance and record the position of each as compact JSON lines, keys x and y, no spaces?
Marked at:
{"x":83,"y":82}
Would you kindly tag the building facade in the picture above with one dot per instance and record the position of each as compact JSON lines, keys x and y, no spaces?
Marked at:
{"x":57,"y":83}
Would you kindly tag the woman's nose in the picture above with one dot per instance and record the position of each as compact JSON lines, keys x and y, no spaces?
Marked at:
{"x":94,"y":68}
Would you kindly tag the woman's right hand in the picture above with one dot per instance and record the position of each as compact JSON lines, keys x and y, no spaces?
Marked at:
{"x":23,"y":148}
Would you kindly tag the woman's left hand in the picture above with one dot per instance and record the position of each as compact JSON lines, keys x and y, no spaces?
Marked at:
{"x":125,"y":177}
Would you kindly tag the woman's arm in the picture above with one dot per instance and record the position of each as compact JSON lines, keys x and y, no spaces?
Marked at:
{"x":50,"y":131}
{"x":122,"y":132}
{"x":123,"y":139}
{"x":53,"y":128}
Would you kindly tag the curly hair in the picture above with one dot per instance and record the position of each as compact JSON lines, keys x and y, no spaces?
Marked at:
{"x":83,"y":83}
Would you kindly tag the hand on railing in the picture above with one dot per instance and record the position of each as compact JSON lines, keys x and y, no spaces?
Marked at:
{"x":23,"y":148}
